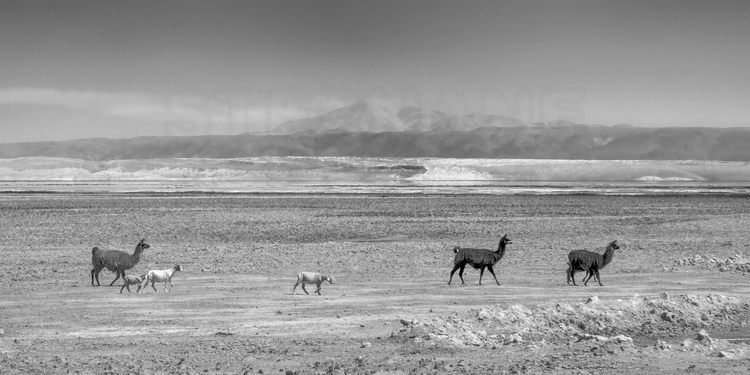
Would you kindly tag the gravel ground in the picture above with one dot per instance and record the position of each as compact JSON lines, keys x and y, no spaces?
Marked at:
{"x":674,"y":298}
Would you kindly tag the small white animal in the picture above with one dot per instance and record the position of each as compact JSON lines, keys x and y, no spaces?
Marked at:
{"x":311,"y":278}
{"x":162,"y":275}
{"x":132,"y":280}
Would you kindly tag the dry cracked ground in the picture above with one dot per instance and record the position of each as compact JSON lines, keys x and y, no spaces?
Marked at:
{"x":674,"y":300}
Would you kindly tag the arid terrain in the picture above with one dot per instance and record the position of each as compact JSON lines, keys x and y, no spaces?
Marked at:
{"x":674,"y":300}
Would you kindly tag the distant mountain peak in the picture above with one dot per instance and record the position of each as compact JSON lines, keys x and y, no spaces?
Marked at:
{"x":382,"y":102}
{"x":380,"y":114}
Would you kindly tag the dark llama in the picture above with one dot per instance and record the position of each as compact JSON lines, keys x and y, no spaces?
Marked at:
{"x":115,"y":260}
{"x":591,"y":262}
{"x":479,"y":259}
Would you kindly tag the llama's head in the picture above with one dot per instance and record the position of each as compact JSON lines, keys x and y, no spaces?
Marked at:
{"x":609,"y":253}
{"x":329,"y":279}
{"x":142,"y":245}
{"x":613,"y":245}
{"x":505,"y":240}
{"x":177,"y":267}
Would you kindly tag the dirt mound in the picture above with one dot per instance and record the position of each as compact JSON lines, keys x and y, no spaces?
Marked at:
{"x":735,"y":263}
{"x":647,"y":320}
{"x":703,"y":343}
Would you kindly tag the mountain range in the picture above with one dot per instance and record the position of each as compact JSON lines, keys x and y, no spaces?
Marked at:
{"x":377,"y":115}
{"x":393,"y":128}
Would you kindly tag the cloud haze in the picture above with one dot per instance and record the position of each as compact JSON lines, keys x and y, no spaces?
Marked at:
{"x":164,"y":115}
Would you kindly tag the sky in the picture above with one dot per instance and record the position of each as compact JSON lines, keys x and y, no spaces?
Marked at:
{"x":79,"y":69}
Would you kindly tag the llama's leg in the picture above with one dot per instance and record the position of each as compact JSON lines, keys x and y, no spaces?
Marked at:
{"x":303,"y":288}
{"x":573,"y":275}
{"x":461,"y":273}
{"x":596,"y":272}
{"x":153,"y":282}
{"x":295,"y":285}
{"x":481,"y":272}
{"x":123,"y":287}
{"x":117,"y":272}
{"x":98,"y":270}
{"x":456,"y":267}
{"x":318,"y":290}
{"x":589,"y":275}
{"x":139,"y":288}
{"x":489,"y":268}
{"x":569,"y":274}
{"x":95,"y":272}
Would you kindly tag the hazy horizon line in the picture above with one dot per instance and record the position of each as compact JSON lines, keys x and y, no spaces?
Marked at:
{"x":238,"y":110}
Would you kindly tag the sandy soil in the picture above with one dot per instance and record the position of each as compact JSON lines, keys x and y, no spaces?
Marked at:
{"x":682,"y":268}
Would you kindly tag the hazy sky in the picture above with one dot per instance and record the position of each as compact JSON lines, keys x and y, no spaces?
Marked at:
{"x":73,"y":69}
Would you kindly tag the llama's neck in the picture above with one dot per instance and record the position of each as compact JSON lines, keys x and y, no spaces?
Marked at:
{"x":136,"y":257}
{"x":500,"y":249}
{"x":608,"y":255}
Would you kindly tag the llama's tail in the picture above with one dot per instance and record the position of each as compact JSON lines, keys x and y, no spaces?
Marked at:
{"x":456,"y":249}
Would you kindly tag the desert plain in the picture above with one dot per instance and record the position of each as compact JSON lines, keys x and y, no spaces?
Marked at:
{"x":674,"y":300}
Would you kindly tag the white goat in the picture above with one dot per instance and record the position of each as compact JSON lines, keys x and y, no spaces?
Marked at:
{"x":132,"y":280}
{"x":161,"y":275}
{"x":311,"y":278}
